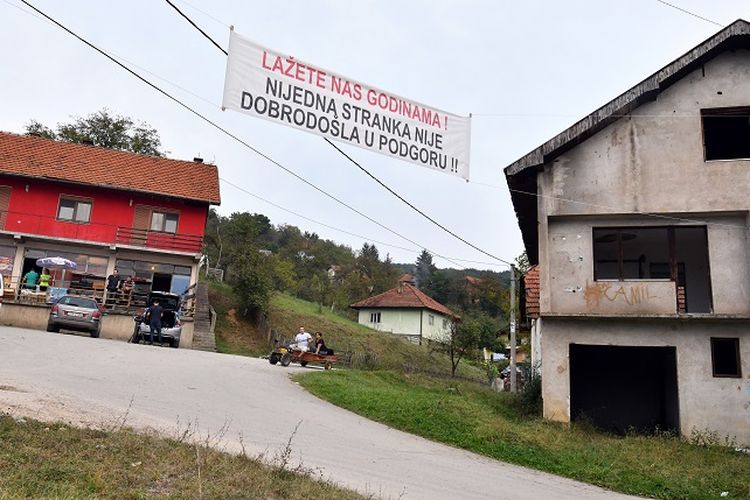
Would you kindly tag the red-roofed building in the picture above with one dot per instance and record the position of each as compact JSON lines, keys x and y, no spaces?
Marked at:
{"x":406,"y":310}
{"x":407,"y":278}
{"x":102,"y":209}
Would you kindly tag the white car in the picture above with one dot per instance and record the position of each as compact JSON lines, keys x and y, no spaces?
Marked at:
{"x":171,"y":326}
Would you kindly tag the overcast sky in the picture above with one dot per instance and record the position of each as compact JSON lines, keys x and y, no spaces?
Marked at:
{"x":526,"y":70}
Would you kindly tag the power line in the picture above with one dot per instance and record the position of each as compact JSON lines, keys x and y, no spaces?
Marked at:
{"x":367,"y":172}
{"x":410,"y":205}
{"x":121,"y":58}
{"x":197,"y":27}
{"x":685,"y":11}
{"x":344,"y":231}
{"x":309,"y":219}
{"x":215,"y":19}
{"x":230,"y":134}
{"x":613,"y":208}
{"x":613,"y":115}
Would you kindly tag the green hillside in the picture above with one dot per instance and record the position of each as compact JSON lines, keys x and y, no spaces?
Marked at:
{"x":369,"y":349}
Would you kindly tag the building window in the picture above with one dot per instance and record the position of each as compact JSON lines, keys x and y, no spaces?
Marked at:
{"x":75,"y":210}
{"x":431,"y":319}
{"x":725,"y":133}
{"x":164,"y":222}
{"x":375,"y":317}
{"x":445,"y":324}
{"x":678,"y":254}
{"x":725,"y":357}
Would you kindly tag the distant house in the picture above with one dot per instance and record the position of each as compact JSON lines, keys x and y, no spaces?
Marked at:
{"x":408,"y":278}
{"x":406,"y":310}
{"x":637,"y":217}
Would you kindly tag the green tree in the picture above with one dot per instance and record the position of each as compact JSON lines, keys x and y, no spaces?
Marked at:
{"x":425,"y":270}
{"x":462,"y":339}
{"x":252,"y":281}
{"x":104,"y":129}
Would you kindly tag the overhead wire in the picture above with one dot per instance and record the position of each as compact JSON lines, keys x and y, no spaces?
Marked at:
{"x":612,"y":208}
{"x":230,"y":134}
{"x":625,"y":115}
{"x":197,"y":27}
{"x":207,"y":14}
{"x":690,"y":13}
{"x":363,"y":169}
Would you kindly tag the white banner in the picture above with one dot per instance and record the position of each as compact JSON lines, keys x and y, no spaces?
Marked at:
{"x":282,"y":89}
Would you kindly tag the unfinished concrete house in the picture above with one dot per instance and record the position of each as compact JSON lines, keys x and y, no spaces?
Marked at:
{"x":637,"y":217}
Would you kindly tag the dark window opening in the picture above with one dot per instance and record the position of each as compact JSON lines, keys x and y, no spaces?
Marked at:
{"x":161,"y":282}
{"x":679,"y":254}
{"x":375,"y":317}
{"x":726,"y":133}
{"x":624,"y":388}
{"x":725,"y":357}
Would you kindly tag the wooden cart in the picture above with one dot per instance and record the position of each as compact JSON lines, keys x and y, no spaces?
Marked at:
{"x":285,"y":356}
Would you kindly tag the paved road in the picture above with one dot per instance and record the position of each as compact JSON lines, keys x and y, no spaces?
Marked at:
{"x":86,"y":380}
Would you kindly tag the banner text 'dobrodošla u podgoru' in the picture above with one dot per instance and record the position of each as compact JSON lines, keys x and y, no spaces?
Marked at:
{"x":282,"y":89}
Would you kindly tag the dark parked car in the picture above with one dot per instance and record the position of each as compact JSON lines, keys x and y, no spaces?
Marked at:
{"x":75,"y":313}
{"x":171,"y":327}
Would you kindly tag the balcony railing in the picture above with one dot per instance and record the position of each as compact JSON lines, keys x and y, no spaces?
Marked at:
{"x":157,"y":239}
{"x":49,"y":226}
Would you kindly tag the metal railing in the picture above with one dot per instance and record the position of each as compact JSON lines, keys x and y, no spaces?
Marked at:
{"x":49,"y":226}
{"x":157,"y":239}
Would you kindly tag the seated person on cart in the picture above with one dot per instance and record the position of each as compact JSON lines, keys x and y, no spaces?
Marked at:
{"x":320,"y":345}
{"x":301,"y":341}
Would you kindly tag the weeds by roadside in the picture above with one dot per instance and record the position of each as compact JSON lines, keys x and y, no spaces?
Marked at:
{"x":55,"y":460}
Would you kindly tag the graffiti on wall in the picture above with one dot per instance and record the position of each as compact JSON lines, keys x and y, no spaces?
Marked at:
{"x":631,"y":295}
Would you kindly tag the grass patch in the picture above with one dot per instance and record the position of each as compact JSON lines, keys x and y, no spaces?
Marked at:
{"x":469,"y":416}
{"x":370,"y":349}
{"x":40,"y":460}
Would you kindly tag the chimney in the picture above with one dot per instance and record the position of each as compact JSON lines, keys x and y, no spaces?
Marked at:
{"x":198,"y":160}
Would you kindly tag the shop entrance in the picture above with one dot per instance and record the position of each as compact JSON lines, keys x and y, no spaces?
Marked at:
{"x":623,"y":388}
{"x":161,"y":282}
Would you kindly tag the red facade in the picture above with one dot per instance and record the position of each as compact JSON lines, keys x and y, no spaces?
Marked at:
{"x":33,"y":204}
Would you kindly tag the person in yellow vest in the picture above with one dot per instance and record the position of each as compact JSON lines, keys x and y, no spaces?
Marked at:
{"x":44,"y":280}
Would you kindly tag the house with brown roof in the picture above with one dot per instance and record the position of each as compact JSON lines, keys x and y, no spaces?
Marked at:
{"x":406,"y":310}
{"x":102,"y":209}
{"x":637,"y":217}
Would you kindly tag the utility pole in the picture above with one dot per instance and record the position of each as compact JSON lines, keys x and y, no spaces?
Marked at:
{"x":513,"y":328}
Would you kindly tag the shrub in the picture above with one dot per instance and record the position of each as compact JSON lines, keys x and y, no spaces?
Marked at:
{"x":531,"y":396}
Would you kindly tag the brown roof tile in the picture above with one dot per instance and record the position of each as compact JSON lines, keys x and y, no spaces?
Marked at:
{"x":406,"y":278}
{"x":405,"y":296}
{"x":531,"y":284}
{"x":31,"y":156}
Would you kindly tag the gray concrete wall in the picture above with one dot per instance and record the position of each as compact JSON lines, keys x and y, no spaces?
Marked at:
{"x":569,"y":270}
{"x":114,"y":326}
{"x":705,"y":402}
{"x":651,"y":162}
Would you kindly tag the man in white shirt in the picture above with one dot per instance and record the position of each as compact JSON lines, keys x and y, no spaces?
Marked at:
{"x":302,"y":340}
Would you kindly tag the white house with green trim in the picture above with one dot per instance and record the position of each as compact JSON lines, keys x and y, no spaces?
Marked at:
{"x":406,"y":310}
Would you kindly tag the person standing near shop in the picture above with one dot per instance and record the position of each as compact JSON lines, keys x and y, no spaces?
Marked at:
{"x":30,"y":280}
{"x":113,"y":283}
{"x":44,"y":280}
